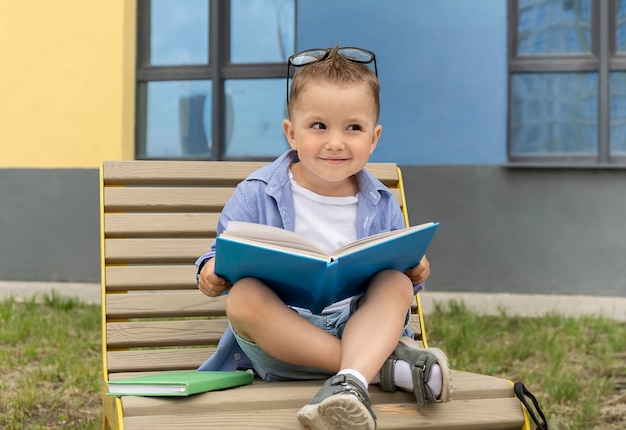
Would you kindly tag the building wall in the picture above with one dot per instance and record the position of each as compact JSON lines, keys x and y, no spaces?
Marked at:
{"x":541,"y":231}
{"x":442,"y":67}
{"x":49,"y":225}
{"x":66,"y":79}
{"x":67,"y":102}
{"x":67,"y":85}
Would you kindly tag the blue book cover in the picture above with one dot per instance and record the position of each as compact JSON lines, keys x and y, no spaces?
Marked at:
{"x":304,"y":275}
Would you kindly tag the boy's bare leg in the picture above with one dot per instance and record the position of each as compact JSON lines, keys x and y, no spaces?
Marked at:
{"x":372,"y":333}
{"x":257,"y":314}
{"x":370,"y":336}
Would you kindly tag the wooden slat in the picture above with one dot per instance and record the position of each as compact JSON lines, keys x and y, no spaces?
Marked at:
{"x":163,"y":305}
{"x":398,"y":195}
{"x":165,"y":199}
{"x":154,"y":199}
{"x":204,"y":172}
{"x":467,"y":386}
{"x":180,"y":304}
{"x":415,"y":325}
{"x":164,"y":277}
{"x":484,"y":414}
{"x":155,"y":360}
{"x":136,"y":334}
{"x":160,"y":224}
{"x":125,"y":251}
{"x":387,"y":173}
{"x":177,"y":172}
{"x":490,"y":414}
{"x":259,"y":395}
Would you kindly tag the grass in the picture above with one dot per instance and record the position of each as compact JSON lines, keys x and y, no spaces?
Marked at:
{"x":576,"y":367}
{"x":50,"y":366}
{"x":50,"y":361}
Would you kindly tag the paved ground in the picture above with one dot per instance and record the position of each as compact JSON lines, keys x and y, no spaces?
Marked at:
{"x":513,"y":304}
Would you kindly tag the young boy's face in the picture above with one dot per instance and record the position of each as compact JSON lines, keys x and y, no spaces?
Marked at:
{"x":333,"y":128}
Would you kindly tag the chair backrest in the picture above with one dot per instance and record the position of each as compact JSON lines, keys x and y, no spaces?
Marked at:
{"x":157,"y":217}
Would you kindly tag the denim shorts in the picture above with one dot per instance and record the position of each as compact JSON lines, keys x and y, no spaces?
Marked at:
{"x":272,"y":369}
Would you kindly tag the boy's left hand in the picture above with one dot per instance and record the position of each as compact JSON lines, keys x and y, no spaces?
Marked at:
{"x":419,"y":273}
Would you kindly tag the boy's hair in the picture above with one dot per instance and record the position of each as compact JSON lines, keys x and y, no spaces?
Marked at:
{"x":334,"y":69}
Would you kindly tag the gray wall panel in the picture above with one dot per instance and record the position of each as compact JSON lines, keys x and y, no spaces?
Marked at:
{"x":49,"y":225}
{"x":523,"y":230}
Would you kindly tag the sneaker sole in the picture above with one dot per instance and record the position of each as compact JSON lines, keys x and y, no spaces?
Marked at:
{"x":442,"y":360}
{"x":341,"y":411}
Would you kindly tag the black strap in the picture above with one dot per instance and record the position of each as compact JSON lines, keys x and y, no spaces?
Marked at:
{"x":522,"y":393}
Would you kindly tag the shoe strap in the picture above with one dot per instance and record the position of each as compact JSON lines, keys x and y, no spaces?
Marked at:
{"x":350,"y":384}
{"x":419,"y":371}
{"x":386,"y":376}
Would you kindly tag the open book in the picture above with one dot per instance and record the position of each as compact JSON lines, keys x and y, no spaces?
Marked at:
{"x":178,"y":383}
{"x":302,"y":274}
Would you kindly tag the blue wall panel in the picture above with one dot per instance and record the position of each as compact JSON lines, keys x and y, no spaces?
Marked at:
{"x":442,"y":67}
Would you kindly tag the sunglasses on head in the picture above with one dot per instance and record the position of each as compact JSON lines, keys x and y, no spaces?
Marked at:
{"x":310,"y":56}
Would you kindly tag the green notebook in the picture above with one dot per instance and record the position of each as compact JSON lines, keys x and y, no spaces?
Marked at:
{"x":178,"y":383}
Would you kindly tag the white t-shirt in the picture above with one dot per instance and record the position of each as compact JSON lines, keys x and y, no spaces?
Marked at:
{"x":330,"y":222}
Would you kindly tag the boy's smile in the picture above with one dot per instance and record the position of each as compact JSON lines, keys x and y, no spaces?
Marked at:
{"x":334,"y":130}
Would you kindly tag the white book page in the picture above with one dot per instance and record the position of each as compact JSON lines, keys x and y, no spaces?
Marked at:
{"x":278,"y":238}
{"x":377,"y":238}
{"x":272,"y":237}
{"x":147,"y":389}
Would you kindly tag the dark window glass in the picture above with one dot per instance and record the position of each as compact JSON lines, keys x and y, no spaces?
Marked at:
{"x":554,"y":114}
{"x":177,"y":119}
{"x":254,"y":114}
{"x":567,"y":82}
{"x":618,"y":113}
{"x":220,"y":104}
{"x":621,"y":26}
{"x":554,"y":27}
{"x":179,"y":32}
{"x":262,"y":31}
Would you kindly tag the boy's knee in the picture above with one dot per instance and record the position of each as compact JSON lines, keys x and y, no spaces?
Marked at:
{"x":398,"y":282}
{"x":406,"y":289}
{"x":396,"y":277}
{"x":243,"y":294}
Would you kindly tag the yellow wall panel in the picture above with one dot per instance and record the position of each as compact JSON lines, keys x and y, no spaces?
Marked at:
{"x":66,"y":82}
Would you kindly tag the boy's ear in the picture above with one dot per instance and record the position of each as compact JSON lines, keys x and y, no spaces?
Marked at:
{"x":377,"y":132}
{"x":289,"y":133}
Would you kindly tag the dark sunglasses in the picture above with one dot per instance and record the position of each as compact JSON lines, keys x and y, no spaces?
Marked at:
{"x":310,"y":56}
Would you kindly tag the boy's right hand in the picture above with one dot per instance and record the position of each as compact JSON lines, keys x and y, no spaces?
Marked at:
{"x":209,"y":283}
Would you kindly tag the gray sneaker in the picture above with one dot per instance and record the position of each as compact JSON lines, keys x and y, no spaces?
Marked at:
{"x":421,"y":361}
{"x":341,"y":403}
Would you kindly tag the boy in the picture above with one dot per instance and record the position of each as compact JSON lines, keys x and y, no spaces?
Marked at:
{"x":320,"y":189}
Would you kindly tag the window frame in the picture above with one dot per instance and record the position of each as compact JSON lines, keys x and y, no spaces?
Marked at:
{"x":217,"y":71}
{"x":602,"y":60}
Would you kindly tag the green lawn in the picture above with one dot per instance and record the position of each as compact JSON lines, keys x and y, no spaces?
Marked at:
{"x":50,"y":365}
{"x":575,"y":366}
{"x":50,"y":361}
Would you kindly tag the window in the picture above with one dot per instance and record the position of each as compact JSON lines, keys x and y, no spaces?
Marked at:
{"x":211,"y":78}
{"x":567,"y":82}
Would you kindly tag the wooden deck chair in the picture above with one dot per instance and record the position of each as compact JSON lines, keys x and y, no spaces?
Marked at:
{"x":157,"y":217}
